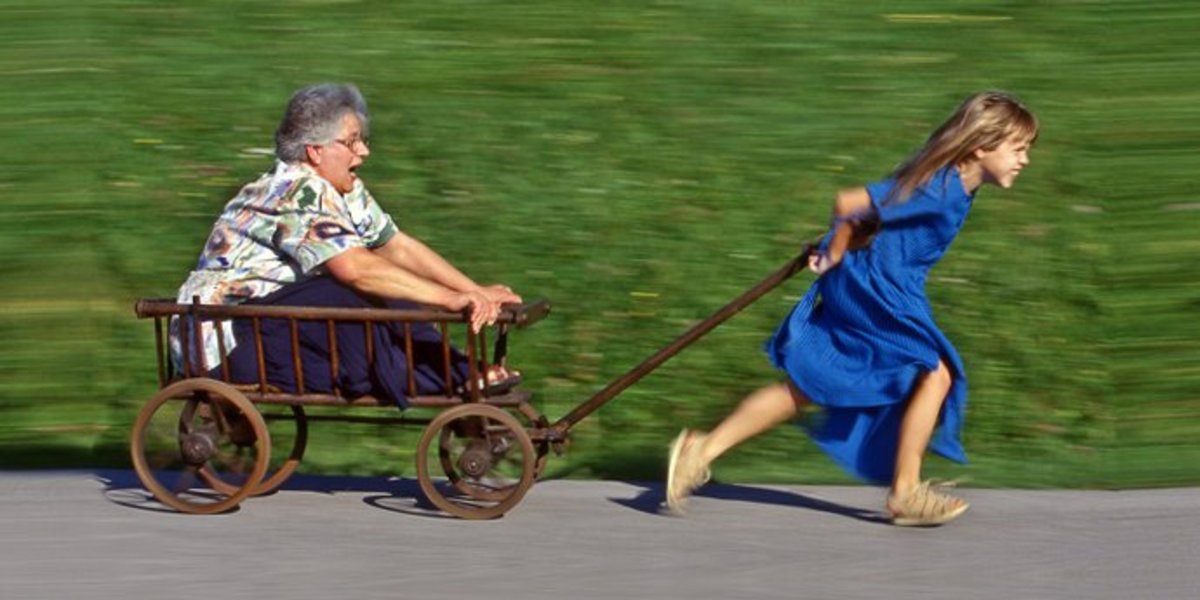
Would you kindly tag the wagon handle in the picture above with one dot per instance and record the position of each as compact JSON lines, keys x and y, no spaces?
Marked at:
{"x":689,"y":337}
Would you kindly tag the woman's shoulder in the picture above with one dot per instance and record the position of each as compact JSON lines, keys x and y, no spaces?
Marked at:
{"x":299,"y":185}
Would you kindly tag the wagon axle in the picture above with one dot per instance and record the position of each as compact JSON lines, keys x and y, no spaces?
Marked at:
{"x":197,"y":448}
{"x":476,"y":461}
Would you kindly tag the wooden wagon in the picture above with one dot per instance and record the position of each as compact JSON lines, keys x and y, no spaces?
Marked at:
{"x":201,"y":444}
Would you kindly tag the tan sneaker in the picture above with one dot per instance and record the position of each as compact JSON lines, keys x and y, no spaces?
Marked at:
{"x":686,"y":469}
{"x":925,"y":506}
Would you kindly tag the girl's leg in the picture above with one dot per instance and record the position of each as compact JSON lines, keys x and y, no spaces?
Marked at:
{"x":692,"y":451}
{"x":912,"y":502}
{"x":763,"y":409}
{"x":917,"y":427}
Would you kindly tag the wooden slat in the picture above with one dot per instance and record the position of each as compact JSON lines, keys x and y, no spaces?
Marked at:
{"x":446,"y":378}
{"x":409,"y":364}
{"x":258,"y":351}
{"x":296,"y":362}
{"x":333,"y":356}
{"x":369,"y":335}
{"x":201,"y":364}
{"x":185,"y":346}
{"x":483,"y":359}
{"x":221,"y":351}
{"x":158,"y":346}
{"x":472,"y":371}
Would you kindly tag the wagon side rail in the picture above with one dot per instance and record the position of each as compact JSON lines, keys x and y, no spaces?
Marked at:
{"x":162,"y":310}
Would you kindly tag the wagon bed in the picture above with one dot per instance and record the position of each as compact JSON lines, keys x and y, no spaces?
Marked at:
{"x":201,"y":445}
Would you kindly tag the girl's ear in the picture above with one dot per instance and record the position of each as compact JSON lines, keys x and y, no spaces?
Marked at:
{"x":979,"y":153}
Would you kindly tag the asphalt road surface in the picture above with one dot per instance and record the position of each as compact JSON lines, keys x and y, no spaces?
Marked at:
{"x":97,"y":536}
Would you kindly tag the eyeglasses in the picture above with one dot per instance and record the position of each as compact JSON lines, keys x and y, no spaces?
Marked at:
{"x":353,"y":143}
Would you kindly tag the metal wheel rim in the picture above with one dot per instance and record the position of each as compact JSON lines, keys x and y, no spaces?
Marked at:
{"x":504,"y":499}
{"x":190,"y":389}
{"x":280,"y":475}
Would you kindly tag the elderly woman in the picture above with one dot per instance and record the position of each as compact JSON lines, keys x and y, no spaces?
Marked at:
{"x":308,"y":233}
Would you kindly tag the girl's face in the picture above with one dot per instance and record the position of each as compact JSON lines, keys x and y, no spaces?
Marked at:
{"x":1001,"y":165}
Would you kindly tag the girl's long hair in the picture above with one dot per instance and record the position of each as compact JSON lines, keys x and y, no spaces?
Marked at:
{"x":982,"y":121}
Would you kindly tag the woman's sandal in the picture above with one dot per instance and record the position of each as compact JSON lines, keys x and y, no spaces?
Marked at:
{"x":498,"y":380}
{"x":501,"y":379}
{"x":686,"y":470}
{"x":926,"y":506}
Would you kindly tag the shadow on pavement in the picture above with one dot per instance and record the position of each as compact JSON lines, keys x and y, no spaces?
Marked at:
{"x":123,"y":487}
{"x":404,"y":496}
{"x":650,"y":500}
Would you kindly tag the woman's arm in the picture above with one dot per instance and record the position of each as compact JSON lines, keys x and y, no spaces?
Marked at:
{"x":414,"y":256}
{"x":410,"y":254}
{"x":367,"y":272}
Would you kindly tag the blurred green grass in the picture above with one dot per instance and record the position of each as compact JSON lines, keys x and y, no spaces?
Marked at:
{"x":639,"y":164}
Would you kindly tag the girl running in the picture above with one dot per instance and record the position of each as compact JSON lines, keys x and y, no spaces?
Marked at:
{"x":862,"y":344}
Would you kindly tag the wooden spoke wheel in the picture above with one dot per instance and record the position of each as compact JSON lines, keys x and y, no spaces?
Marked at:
{"x":474,"y":489}
{"x":196,"y":431}
{"x":291,"y":431}
{"x":486,"y":455}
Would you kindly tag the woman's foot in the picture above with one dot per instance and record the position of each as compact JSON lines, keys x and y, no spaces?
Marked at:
{"x":686,"y":469}
{"x":925,"y":506}
{"x":499,"y":376}
{"x":498,"y":379}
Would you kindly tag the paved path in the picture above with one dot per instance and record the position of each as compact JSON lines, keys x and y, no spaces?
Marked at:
{"x":95,"y":536}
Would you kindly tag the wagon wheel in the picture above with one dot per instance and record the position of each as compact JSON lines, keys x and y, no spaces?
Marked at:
{"x":198,"y":426}
{"x":298,"y":434}
{"x":481,"y":492}
{"x":474,"y":489}
{"x":486,"y":455}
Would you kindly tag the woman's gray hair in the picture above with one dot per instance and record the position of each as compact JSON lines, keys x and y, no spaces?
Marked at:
{"x":314,"y":116}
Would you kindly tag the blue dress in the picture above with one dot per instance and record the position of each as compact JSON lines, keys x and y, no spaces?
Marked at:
{"x":864,"y":333}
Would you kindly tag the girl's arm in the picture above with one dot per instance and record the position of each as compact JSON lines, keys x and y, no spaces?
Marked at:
{"x":849,"y":208}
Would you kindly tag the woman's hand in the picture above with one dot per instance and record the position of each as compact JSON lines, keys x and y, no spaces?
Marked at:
{"x":484,"y":311}
{"x":501,"y":294}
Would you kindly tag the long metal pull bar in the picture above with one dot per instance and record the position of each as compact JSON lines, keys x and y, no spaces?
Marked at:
{"x":697,"y":331}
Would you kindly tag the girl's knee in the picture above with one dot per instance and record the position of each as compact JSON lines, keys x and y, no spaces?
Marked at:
{"x":799,"y":400}
{"x":940,"y":377}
